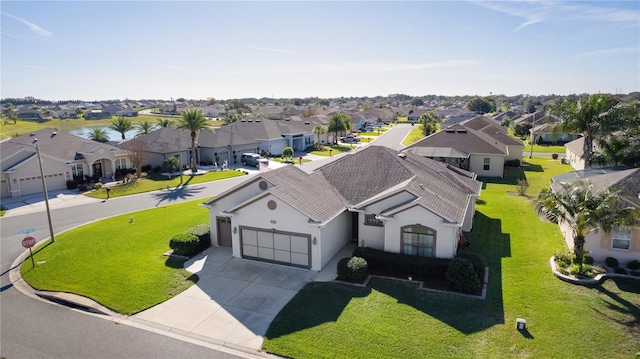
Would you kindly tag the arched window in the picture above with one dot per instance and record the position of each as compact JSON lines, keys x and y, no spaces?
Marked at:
{"x":418,"y":240}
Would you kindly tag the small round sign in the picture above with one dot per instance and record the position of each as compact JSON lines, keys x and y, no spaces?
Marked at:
{"x":28,"y":242}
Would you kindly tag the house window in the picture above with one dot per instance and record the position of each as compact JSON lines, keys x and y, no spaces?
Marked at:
{"x":121,"y":163}
{"x":77,"y":170}
{"x":487,"y":163}
{"x":371,"y":220}
{"x":621,"y":239}
{"x":418,"y":241}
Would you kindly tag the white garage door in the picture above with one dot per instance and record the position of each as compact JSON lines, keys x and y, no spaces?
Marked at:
{"x":31,"y":185}
{"x":276,"y":246}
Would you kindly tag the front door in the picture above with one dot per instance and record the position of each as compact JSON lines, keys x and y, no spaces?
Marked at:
{"x":224,"y":231}
{"x":97,"y":170}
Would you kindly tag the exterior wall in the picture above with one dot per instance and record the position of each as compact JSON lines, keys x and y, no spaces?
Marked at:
{"x":496,"y":166}
{"x":574,"y":160}
{"x":27,"y":180}
{"x":446,"y":234}
{"x":467,"y":224}
{"x":373,"y":236}
{"x":283,"y":218}
{"x":514,"y":152}
{"x":335,"y":235}
{"x":599,"y":245}
{"x":274,"y":147}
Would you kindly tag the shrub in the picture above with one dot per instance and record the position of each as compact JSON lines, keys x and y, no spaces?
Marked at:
{"x":611,"y":262}
{"x":561,"y":264}
{"x":461,"y":276}
{"x":352,"y":269}
{"x":588,"y":260}
{"x":145,"y":168}
{"x":554,"y":156}
{"x":71,"y":184}
{"x":98,"y":185}
{"x":512,"y":163}
{"x":184,"y":244}
{"x":563,"y":271}
{"x":203,"y":232}
{"x":574,"y":269}
{"x":478,"y":261}
{"x":634,"y":264}
{"x":620,"y":270}
{"x":402,"y":265}
{"x":566,"y":257}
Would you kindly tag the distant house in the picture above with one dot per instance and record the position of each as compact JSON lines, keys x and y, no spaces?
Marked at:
{"x":623,"y":243}
{"x":96,"y":115}
{"x":64,"y":157}
{"x":29,"y":114}
{"x":414,"y":114}
{"x":546,"y":134}
{"x":574,"y":153}
{"x":478,"y":145}
{"x":399,"y":203}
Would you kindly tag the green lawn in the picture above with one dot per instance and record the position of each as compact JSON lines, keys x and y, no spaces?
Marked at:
{"x":414,"y":136}
{"x":157,"y":181}
{"x":296,"y":160}
{"x":393,"y":320}
{"x":116,"y":263}
{"x":543,"y":148}
{"x":335,"y":149}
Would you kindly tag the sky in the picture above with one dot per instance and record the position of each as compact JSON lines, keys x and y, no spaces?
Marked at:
{"x":100,"y":50}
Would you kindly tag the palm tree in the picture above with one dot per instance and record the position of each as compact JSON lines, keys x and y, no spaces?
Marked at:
{"x":121,"y":124}
{"x":10,"y":112}
{"x":98,"y":134}
{"x":145,"y":127}
{"x":319,"y":130}
{"x":429,"y":121}
{"x":338,"y":122}
{"x":164,"y":122}
{"x":588,"y":115}
{"x":584,"y":210}
{"x":194,"y":121}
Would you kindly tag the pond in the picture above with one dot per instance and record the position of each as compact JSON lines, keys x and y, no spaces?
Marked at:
{"x":111,"y":134}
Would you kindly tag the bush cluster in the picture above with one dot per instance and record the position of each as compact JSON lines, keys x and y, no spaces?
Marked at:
{"x":71,"y":184}
{"x":203,"y":232}
{"x":634,"y":264}
{"x":461,"y":276}
{"x":479,"y":263}
{"x":512,"y":163}
{"x":402,"y":265}
{"x":611,"y":262}
{"x":620,"y":270}
{"x":588,"y":260}
{"x":566,"y":257}
{"x":352,"y":269}
{"x":184,"y":244}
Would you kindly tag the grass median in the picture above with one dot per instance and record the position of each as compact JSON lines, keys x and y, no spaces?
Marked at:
{"x":116,"y":262}
{"x":394,"y":320}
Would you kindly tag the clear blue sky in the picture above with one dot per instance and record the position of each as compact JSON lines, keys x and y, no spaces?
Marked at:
{"x":93,"y":50}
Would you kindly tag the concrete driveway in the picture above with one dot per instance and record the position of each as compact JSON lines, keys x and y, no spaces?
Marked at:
{"x":233,"y":302}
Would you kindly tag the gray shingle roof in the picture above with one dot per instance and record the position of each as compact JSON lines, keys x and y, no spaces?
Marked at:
{"x":463,"y":139}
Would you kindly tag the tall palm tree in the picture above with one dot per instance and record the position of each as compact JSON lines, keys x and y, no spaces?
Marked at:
{"x":429,"y":121}
{"x":121,"y":124}
{"x":145,"y":127}
{"x":584,"y":210}
{"x":319,"y":130}
{"x":10,"y":112}
{"x":589,"y":115}
{"x":194,"y":121}
{"x":164,"y":122}
{"x":338,"y":122}
{"x":98,"y":134}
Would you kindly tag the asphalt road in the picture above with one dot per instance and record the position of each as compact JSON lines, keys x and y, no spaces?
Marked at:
{"x":30,"y":328}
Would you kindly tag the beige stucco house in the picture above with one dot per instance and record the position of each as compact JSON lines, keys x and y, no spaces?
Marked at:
{"x":623,"y":243}
{"x":64,"y":157}
{"x":397,"y":202}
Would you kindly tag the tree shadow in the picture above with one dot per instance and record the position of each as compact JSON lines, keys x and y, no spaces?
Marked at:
{"x":319,"y":303}
{"x":181,"y":192}
{"x":621,"y":305}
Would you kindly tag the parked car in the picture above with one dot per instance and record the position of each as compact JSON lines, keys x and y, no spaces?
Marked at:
{"x":350,"y":139}
{"x":253,"y":159}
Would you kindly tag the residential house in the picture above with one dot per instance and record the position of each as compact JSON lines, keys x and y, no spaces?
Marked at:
{"x":623,"y":243}
{"x":64,"y":157}
{"x":164,"y":143}
{"x":478,"y":145}
{"x":96,"y":115}
{"x":546,"y":134}
{"x":574,"y":152}
{"x":397,"y":202}
{"x":29,"y":114}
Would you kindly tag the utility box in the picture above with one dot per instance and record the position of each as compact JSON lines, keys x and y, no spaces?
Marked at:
{"x":521,"y":324}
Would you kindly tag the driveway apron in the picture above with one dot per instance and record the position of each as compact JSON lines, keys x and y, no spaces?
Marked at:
{"x":234,"y":301}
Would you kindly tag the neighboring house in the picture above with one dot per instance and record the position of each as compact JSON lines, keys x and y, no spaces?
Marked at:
{"x":64,"y":157}
{"x":96,"y":115}
{"x":163,"y":143}
{"x":574,"y":152}
{"x":397,"y":202}
{"x":414,"y":114}
{"x":28,"y":114}
{"x":623,"y":243}
{"x":535,"y":119}
{"x":478,"y":145}
{"x":546,"y":134}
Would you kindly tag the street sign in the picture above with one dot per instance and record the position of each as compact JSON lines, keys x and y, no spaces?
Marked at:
{"x":26,"y":231}
{"x":28,"y":242}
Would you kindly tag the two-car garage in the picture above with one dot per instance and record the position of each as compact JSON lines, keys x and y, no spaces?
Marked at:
{"x":276,"y":246}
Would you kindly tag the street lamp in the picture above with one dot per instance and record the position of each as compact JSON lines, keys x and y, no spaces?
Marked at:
{"x":44,"y":188}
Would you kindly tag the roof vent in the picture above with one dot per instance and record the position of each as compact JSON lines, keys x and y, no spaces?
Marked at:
{"x":450,"y":130}
{"x":402,"y":155}
{"x":461,"y":130}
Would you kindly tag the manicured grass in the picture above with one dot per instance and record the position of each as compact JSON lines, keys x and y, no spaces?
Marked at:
{"x":117,"y":263}
{"x":543,"y":148}
{"x":391,"y":319}
{"x":335,"y":149}
{"x":157,"y":181}
{"x":296,"y":161}
{"x":414,"y":136}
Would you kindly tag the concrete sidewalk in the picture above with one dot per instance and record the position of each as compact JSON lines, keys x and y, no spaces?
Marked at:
{"x":16,"y":206}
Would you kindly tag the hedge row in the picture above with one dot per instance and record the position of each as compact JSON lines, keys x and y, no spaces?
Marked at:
{"x":402,"y":265}
{"x":194,"y":241}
